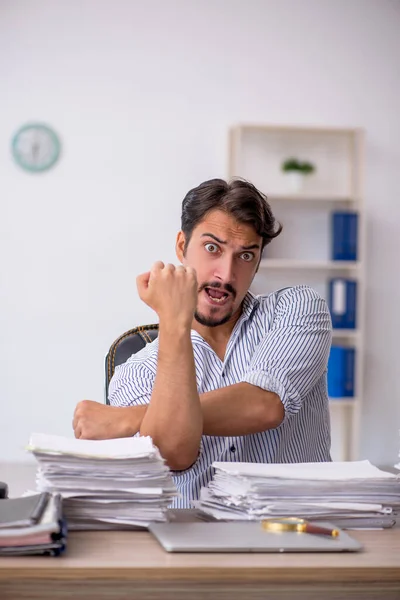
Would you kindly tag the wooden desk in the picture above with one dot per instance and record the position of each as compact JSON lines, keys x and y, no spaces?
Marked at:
{"x":116,"y":565}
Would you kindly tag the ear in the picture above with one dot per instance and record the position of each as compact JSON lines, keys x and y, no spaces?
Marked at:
{"x":180,"y":246}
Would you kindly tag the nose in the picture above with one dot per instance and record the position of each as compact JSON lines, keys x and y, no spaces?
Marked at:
{"x":224,"y":269}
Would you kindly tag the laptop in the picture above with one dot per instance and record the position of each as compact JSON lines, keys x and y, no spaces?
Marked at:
{"x":246,"y":537}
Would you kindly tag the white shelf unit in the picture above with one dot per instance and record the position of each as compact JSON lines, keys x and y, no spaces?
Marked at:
{"x":293,"y":264}
{"x":302,"y":253}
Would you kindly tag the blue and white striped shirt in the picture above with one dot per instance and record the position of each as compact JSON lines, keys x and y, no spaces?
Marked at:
{"x":280,"y":343}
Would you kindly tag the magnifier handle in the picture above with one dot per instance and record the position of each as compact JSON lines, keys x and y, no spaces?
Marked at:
{"x":310,"y":528}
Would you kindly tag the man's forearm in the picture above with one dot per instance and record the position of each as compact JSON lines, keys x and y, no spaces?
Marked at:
{"x":174,"y":417}
{"x":238,"y":409}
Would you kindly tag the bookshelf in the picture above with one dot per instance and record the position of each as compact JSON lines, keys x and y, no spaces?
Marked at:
{"x":305,"y":265}
{"x":302,"y":254}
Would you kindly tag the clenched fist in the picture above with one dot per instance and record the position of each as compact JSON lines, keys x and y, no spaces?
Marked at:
{"x":170,"y":291}
{"x":95,"y":421}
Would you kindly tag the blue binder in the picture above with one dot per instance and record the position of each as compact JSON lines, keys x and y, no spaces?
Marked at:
{"x":344,"y":229}
{"x":342,"y":302}
{"x":341,"y":372}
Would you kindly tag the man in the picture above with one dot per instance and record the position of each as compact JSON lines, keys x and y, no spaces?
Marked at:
{"x":231,"y":376}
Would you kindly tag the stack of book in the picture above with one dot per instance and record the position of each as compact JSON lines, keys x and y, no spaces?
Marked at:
{"x":106,"y":484}
{"x":344,"y":229}
{"x":32,"y":525}
{"x":342,"y":302}
{"x":341,"y":372}
{"x":349,"y":494}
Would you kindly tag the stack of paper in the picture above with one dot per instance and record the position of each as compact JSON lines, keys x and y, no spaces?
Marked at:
{"x":107,"y":484}
{"x":32,"y":525}
{"x":352,"y":494}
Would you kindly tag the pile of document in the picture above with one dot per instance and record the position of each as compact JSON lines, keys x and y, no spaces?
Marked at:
{"x":32,"y":525}
{"x":106,"y":484}
{"x":349,"y":494}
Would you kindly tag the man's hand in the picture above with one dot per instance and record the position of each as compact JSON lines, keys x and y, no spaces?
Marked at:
{"x":170,"y":291}
{"x":95,"y":421}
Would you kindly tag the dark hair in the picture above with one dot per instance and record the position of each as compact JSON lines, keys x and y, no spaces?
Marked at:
{"x":238,"y":197}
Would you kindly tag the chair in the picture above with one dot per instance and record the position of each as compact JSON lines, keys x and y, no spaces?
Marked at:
{"x":3,"y":490}
{"x":127,"y":344}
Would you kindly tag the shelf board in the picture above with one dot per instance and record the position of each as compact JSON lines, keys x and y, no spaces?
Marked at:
{"x":349,"y":333}
{"x":328,"y":265}
{"x":312,"y":198}
{"x":293,"y":129}
{"x":346,"y":402}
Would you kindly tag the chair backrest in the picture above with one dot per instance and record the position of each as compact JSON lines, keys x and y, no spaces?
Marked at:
{"x":3,"y":490}
{"x":127,"y":344}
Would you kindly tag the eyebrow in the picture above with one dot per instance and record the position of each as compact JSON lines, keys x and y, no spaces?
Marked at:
{"x":214,"y":237}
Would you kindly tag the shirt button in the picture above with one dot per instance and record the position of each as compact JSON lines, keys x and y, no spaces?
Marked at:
{"x":223,"y":374}
{"x":233,"y":449}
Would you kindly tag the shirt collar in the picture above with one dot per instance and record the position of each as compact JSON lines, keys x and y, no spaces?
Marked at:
{"x":250,"y":303}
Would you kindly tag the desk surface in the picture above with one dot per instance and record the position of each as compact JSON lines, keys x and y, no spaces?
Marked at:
{"x":120,"y":565}
{"x":135,"y":556}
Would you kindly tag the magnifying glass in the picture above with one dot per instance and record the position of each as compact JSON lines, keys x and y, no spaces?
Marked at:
{"x":299,"y":525}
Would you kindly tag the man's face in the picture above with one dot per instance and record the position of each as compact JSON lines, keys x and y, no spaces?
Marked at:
{"x":226,"y":255}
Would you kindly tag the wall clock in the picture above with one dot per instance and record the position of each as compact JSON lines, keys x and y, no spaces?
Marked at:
{"x":36,"y":147}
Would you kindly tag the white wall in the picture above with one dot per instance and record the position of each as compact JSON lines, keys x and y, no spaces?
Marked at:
{"x":142,"y":94}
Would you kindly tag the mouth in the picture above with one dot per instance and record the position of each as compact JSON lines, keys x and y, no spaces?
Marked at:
{"x":216,"y":297}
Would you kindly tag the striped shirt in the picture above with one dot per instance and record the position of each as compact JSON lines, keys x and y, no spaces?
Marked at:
{"x":280,"y":343}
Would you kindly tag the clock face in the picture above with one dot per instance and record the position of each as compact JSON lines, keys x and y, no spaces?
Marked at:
{"x":36,"y":147}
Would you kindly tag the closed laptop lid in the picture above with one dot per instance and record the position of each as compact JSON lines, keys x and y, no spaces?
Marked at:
{"x":246,"y":537}
{"x":24,"y":511}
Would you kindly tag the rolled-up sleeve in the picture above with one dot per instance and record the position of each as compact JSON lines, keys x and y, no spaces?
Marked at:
{"x":294,"y":353}
{"x":131,"y":385}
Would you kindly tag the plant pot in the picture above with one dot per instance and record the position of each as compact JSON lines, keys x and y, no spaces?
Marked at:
{"x":295,"y":181}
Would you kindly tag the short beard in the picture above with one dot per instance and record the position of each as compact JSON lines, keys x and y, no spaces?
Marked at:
{"x":209,"y":321}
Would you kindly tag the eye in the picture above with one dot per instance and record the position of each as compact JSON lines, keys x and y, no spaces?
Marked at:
{"x":212,"y":248}
{"x":247,"y":256}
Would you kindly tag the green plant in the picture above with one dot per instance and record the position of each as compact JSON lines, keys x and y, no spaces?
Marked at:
{"x":307,"y":168}
{"x":293,"y":164}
